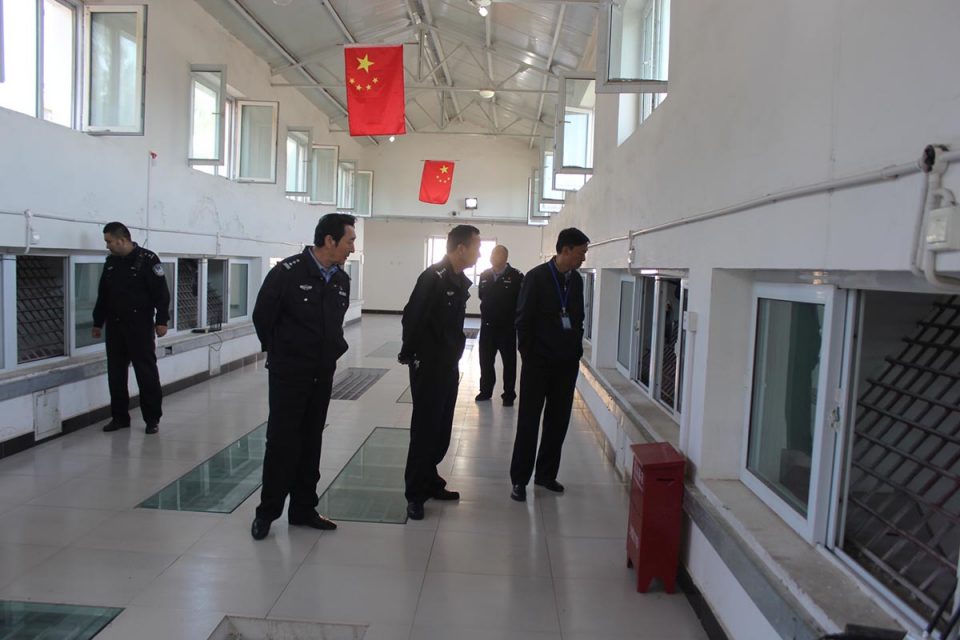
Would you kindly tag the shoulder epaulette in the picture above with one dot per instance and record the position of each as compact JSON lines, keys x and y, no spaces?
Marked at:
{"x":289,"y":262}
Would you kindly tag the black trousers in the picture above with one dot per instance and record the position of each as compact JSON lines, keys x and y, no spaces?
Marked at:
{"x":548,"y":389}
{"x":434,"y":388}
{"x":132,"y":344}
{"x":291,"y":464}
{"x":495,"y":339}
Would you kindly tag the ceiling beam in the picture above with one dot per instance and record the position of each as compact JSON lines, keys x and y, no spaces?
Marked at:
{"x":487,"y":37}
{"x":415,"y":87}
{"x":553,"y":50}
{"x":241,"y":8}
{"x":438,"y":46}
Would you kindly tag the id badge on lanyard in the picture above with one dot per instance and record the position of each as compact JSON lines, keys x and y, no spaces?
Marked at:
{"x":565,"y":320}
{"x":564,"y":316}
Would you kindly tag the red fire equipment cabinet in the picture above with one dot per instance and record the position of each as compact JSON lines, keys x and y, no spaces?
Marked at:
{"x":653,"y":532}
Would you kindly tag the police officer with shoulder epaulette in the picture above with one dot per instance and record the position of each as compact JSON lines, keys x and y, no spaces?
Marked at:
{"x":433,"y":342}
{"x":299,"y":321}
{"x":499,"y":288}
{"x":134,"y":303}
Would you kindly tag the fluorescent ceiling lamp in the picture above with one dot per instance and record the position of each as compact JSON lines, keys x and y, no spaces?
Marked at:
{"x":486,"y":94}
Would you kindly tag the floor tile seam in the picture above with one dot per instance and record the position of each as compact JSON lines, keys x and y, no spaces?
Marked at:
{"x":553,"y":578}
{"x":293,"y":575}
{"x":423,"y":581}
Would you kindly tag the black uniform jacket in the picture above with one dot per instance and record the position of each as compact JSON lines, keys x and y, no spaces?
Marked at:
{"x":131,"y":288}
{"x":498,"y":298}
{"x":433,"y":317}
{"x":541,"y":337}
{"x":299,"y":317}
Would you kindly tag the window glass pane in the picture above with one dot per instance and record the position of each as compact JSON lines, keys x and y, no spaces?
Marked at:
{"x":483,"y":263}
{"x":18,"y":91}
{"x":86,"y":282}
{"x":238,"y":290}
{"x":580,"y":99}
{"x":646,"y":329}
{"x":364,"y":192}
{"x":346,"y":185}
{"x":549,"y":193}
{"x":588,"y":279}
{"x":58,"y":55}
{"x":170,"y":275}
{"x":353,"y":270}
{"x":298,"y":143}
{"x":639,"y":40}
{"x":188,"y":289}
{"x":205,"y":117}
{"x":785,"y":389}
{"x":570,"y":181}
{"x":114,"y":75}
{"x":670,"y":331}
{"x":436,"y":250}
{"x":216,"y":291}
{"x":256,"y":142}
{"x":626,"y":323}
{"x":324,"y":175}
{"x":40,"y":307}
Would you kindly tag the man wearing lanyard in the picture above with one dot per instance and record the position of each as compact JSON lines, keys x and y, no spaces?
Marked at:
{"x":550,"y":339}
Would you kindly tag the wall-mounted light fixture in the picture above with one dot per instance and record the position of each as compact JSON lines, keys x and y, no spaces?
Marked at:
{"x":471,"y":203}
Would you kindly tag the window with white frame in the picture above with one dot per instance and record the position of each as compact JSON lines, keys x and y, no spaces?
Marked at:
{"x":208,"y":95}
{"x":634,"y":47}
{"x":114,"y":68}
{"x":257,"y":141}
{"x":353,"y":269}
{"x":226,"y":167}
{"x":39,"y":85}
{"x":188,"y":293}
{"x":626,"y":324}
{"x":364,"y":183}
{"x":324,"y":171}
{"x":589,"y":280}
{"x":298,"y":160}
{"x":239,"y":289}
{"x":41,"y":306}
{"x":346,"y":185}
{"x":792,"y":369}
{"x":573,"y":161}
{"x":437,"y":249}
{"x":548,"y":194}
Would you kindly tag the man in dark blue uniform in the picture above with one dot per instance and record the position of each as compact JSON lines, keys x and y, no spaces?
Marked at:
{"x":134,"y":303}
{"x":550,"y":338}
{"x":499,"y":288}
{"x":299,"y":320}
{"x":433,"y":342}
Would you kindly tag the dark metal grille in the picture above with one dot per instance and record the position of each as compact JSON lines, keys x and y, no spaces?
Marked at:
{"x":903,"y":501}
{"x":40,"y":308}
{"x":188,"y":286}
{"x":354,"y":382}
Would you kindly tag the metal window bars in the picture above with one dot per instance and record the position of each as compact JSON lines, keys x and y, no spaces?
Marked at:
{"x":40,"y":308}
{"x":903,"y":501}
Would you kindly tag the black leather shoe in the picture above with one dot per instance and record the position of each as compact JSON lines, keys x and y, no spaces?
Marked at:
{"x":415,"y":510}
{"x":549,"y":485}
{"x":260,"y":528}
{"x":482,"y":397}
{"x":446,"y":494}
{"x":314,"y":521}
{"x":152,"y":428}
{"x":518,"y":493}
{"x":508,"y":402}
{"x":113,"y":425}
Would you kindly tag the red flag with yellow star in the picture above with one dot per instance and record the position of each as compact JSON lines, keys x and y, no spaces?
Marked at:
{"x":435,"y":181}
{"x":375,"y":97}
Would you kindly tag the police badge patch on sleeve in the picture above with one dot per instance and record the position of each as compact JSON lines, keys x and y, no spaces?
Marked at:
{"x":158,"y":269}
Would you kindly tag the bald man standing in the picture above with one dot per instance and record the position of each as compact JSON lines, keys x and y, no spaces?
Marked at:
{"x":499,"y":289}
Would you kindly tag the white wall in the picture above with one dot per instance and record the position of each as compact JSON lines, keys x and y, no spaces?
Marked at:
{"x":395,"y":254}
{"x":493,"y":169}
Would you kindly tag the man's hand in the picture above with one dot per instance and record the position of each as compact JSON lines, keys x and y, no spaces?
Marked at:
{"x":161,"y":330}
{"x":404,"y":358}
{"x":96,"y":333}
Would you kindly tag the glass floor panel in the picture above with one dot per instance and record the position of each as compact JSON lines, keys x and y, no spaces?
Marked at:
{"x":370,"y":486}
{"x":407,"y":395}
{"x":40,"y":621}
{"x":221,"y":483}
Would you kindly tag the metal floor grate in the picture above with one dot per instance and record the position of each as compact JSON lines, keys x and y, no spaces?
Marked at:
{"x":903,"y":500}
{"x":354,"y":382}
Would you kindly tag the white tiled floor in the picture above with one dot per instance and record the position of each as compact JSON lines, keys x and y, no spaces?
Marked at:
{"x":484,"y":568}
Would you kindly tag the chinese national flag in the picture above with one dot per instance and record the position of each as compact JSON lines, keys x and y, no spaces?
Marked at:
{"x":375,"y":98}
{"x":435,"y":181}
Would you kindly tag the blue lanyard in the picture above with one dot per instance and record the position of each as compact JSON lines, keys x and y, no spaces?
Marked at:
{"x":563,"y":295}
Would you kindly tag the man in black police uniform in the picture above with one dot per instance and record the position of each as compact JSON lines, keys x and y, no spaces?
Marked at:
{"x":498,"y":290}
{"x":550,"y":337}
{"x":132,"y":288}
{"x":299,"y":320}
{"x":433,"y":342}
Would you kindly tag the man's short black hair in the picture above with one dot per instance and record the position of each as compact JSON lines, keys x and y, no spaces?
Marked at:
{"x":117,"y":230}
{"x":571,"y":237}
{"x":460,"y":234}
{"x":333,"y":225}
